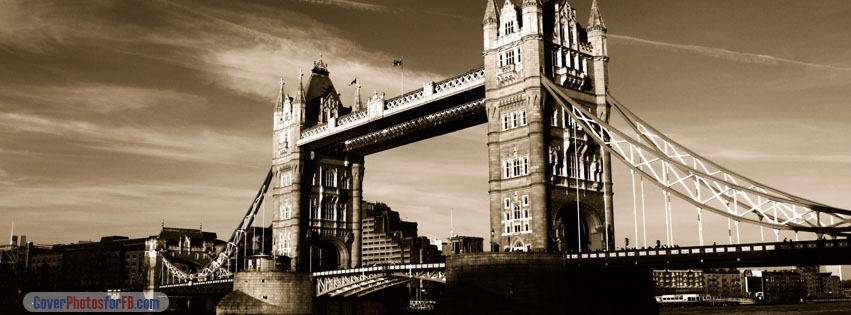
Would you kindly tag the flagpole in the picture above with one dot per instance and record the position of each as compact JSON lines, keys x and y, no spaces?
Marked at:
{"x":402,"y":64}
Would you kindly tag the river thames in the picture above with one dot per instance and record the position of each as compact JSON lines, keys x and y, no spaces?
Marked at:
{"x":821,"y":308}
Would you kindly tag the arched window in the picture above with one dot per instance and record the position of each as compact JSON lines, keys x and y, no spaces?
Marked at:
{"x":328,"y":211}
{"x":517,"y":168}
{"x":505,"y":122}
{"x":507,"y":166}
{"x":523,"y":118}
{"x":330,"y":178}
{"x":517,"y":212}
{"x":509,"y":27}
{"x":525,"y":165}
{"x":554,"y":120}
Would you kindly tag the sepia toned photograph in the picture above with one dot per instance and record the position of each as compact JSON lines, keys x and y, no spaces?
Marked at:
{"x":425,"y":157}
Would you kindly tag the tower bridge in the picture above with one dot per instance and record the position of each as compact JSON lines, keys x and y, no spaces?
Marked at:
{"x":543,"y":94}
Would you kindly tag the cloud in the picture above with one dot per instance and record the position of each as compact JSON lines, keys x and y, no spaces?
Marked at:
{"x":348,"y":4}
{"x":100,"y":98}
{"x":725,"y":54}
{"x":181,"y":144}
{"x":84,"y":195}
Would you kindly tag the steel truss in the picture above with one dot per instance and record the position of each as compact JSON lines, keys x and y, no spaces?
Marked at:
{"x":364,"y":281}
{"x":214,"y":269}
{"x":682,"y":173}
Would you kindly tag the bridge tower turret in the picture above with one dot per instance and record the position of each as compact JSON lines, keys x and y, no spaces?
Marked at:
{"x":546,"y":178}
{"x":288,"y":161}
{"x":316,"y":194}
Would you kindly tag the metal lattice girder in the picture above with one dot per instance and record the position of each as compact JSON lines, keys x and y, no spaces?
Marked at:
{"x":437,"y":90}
{"x":380,"y":286}
{"x":351,"y":281}
{"x":213,"y":269}
{"x":429,"y":275}
{"x":699,"y":181}
{"x":340,"y":283}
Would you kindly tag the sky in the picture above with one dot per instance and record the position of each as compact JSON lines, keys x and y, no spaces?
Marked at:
{"x":117,"y":116}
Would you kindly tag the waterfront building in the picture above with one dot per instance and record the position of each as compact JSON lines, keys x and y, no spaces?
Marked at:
{"x":464,"y":245}
{"x":723,"y":282}
{"x":784,"y":286}
{"x":679,"y":281}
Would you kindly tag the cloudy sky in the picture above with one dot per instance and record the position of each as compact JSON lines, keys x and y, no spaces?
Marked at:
{"x":117,"y":115}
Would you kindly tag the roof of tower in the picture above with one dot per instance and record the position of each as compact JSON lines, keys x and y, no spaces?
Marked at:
{"x":279,"y":104}
{"x":596,"y":18}
{"x":299,"y":95}
{"x":320,"y":85}
{"x":491,"y":13}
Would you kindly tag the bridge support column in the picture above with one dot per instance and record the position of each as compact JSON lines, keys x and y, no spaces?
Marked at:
{"x":540,"y":193}
{"x":357,"y":201}
{"x":152,"y":264}
{"x":269,"y":292}
{"x":541,"y":283}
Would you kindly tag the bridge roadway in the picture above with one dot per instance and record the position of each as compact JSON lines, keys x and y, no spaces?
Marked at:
{"x":362,"y":281}
{"x":818,"y":252}
{"x":437,"y":108}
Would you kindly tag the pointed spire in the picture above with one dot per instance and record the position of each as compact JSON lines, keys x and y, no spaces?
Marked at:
{"x":491,"y":14}
{"x":595,"y":21}
{"x":279,"y":104}
{"x":299,"y":96}
{"x":358,"y":103}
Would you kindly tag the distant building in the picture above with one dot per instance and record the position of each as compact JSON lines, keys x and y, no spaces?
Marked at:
{"x":113,"y":262}
{"x":386,"y":239}
{"x":679,"y":281}
{"x":723,"y":282}
{"x":830,"y":284}
{"x":818,"y":284}
{"x":785,"y":286}
{"x":464,"y":245}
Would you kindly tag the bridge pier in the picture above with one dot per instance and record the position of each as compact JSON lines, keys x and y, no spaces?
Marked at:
{"x":540,"y":283}
{"x":269,"y":292}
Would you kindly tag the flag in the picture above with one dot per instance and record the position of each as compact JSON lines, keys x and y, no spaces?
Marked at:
{"x":355,"y":81}
{"x":397,"y":63}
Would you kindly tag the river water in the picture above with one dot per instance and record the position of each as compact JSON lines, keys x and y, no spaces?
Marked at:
{"x":818,"y":308}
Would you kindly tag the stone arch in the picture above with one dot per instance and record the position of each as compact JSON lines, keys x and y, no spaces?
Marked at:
{"x":564,"y":227}
{"x":328,"y":253}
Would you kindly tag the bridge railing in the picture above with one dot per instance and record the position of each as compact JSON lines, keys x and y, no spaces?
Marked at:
{"x":431,"y":91}
{"x":715,"y":249}
{"x":383,"y":268}
{"x":195,"y":283}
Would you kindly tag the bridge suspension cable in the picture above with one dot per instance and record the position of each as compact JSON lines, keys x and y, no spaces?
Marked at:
{"x":760,"y":204}
{"x":214,"y":268}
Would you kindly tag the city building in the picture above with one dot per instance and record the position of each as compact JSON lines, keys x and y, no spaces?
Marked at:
{"x":784,"y":286}
{"x":723,"y":282}
{"x":113,"y":262}
{"x":387,"y":239}
{"x":819,"y":284}
{"x":679,"y":281}
{"x":464,"y":245}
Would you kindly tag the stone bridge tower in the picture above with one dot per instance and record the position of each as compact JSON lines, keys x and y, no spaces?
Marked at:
{"x":549,"y":183}
{"x":316,"y":195}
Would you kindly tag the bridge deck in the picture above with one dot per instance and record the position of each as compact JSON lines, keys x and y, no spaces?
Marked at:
{"x":819,"y":252}
{"x":451,"y":104}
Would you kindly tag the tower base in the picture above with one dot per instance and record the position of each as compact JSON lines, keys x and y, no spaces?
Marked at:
{"x":540,"y":283}
{"x":269,"y":292}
